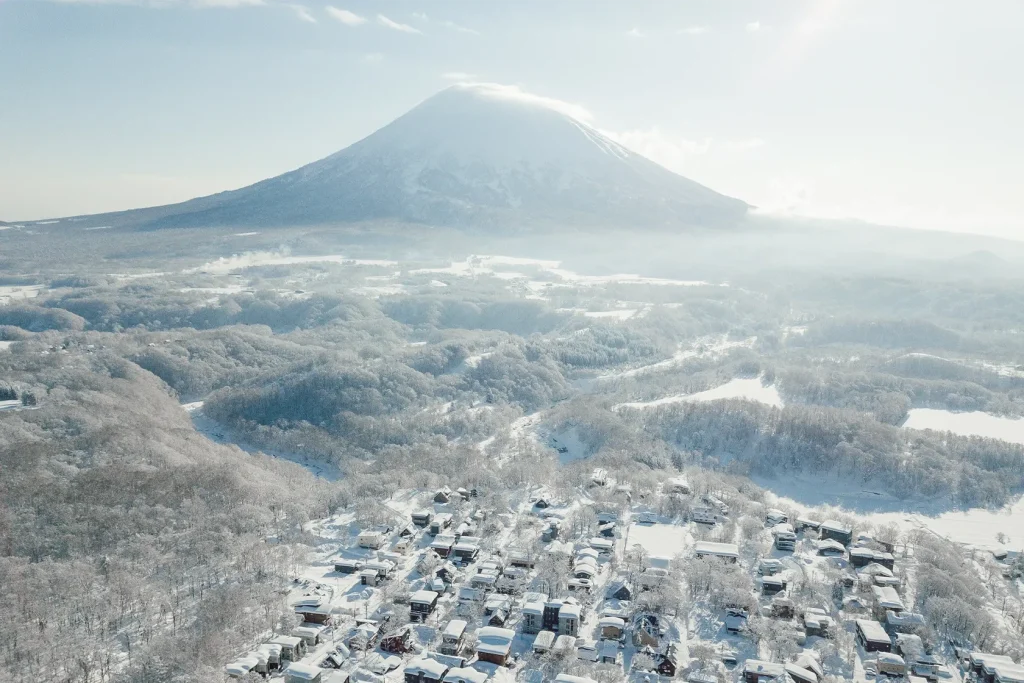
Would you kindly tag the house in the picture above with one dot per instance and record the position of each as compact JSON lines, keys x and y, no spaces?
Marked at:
{"x":311,"y":635}
{"x":612,"y":628}
{"x":494,"y":644}
{"x":533,"y":616}
{"x":668,"y":661}
{"x":735,"y":620}
{"x":447,"y":572}
{"x":800,"y":674}
{"x":817,"y":622}
{"x":564,"y":645}
{"x":397,"y":642}
{"x":729,"y":552}
{"x":599,"y":477}
{"x":292,"y":648}
{"x":803,"y":524}
{"x":619,"y":589}
{"x":485,"y":580}
{"x":770,"y":585}
{"x":551,"y":532}
{"x":769,"y":566}
{"x":647,"y":631}
{"x":836,"y":531}
{"x":381,"y":568}
{"x":422,"y":604}
{"x":785,"y":537}
{"x":585,"y":568}
{"x":517,"y":557}
{"x":891,"y":664}
{"x":872,"y":636}
{"x":466,"y":549}
{"x":425,"y":670}
{"x":542,"y":503}
{"x":314,"y":611}
{"x":443,"y":496}
{"x":241,"y":667}
{"x":830,"y":546}
{"x":608,"y":652}
{"x":512,"y":580}
{"x":365,"y":634}
{"x":543,"y":642}
{"x":453,"y":637}
{"x":704,"y":515}
{"x":757,"y":671}
{"x":421,"y":518}
{"x":887,"y":599}
{"x":439,"y":523}
{"x":443,"y":544}
{"x":299,"y":672}
{"x":604,"y":546}
{"x":773,"y":517}
{"x":652,"y":577}
{"x":372,"y":539}
{"x":566,"y":678}
{"x":904,"y":622}
{"x":273,"y":653}
{"x":549,"y":619}
{"x":1008,"y":673}
{"x":782,"y":607}
{"x":862,"y":557}
{"x":347,"y":566}
{"x":464,"y":675}
{"x":498,"y":617}
{"x":569,"y":618}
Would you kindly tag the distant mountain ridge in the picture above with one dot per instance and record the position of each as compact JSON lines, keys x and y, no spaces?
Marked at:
{"x":470,"y":156}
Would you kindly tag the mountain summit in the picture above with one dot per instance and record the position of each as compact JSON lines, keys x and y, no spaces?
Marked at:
{"x":470,"y":156}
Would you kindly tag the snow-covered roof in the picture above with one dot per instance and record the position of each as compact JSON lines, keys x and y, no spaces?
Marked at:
{"x":287,"y":641}
{"x":423,"y":597}
{"x":872,"y":630}
{"x":717,"y":549}
{"x":533,"y":607}
{"x":890,"y":658}
{"x":801,"y":673}
{"x":464,"y":675}
{"x":766,"y":669}
{"x":455,"y":629}
{"x":566,"y":678}
{"x":887,"y":597}
{"x":602,"y":543}
{"x":837,"y":526}
{"x":302,"y":671}
{"x":426,"y":666}
{"x":569,"y":610}
{"x":830,"y":544}
{"x":544,"y":639}
{"x":612,"y":621}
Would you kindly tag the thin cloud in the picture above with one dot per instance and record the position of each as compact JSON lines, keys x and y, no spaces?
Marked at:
{"x":694,"y":30}
{"x":302,"y":12}
{"x":344,"y":16}
{"x":446,"y":23}
{"x":459,"y":76}
{"x":372,"y":58}
{"x":201,"y":4}
{"x":394,"y":25}
{"x":516,"y":94}
{"x":636,"y":33}
{"x":753,"y":26}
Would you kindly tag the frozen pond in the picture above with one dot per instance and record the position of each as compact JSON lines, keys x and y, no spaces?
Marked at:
{"x":749,"y":389}
{"x":967,"y":424}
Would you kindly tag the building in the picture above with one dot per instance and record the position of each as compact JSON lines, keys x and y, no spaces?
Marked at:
{"x":891,"y":664}
{"x":299,"y":672}
{"x":608,"y":652}
{"x":836,"y":531}
{"x":398,"y":642}
{"x":757,"y":671}
{"x":292,"y":648}
{"x":533,"y":616}
{"x":494,"y":644}
{"x":704,"y":515}
{"x":569,"y":618}
{"x":314,"y":611}
{"x":422,"y":604}
{"x":862,"y":557}
{"x":517,"y":557}
{"x":443,"y":496}
{"x":453,"y":637}
{"x":347,"y":566}
{"x":668,"y":661}
{"x":817,"y":622}
{"x":466,"y":549}
{"x":773,"y":517}
{"x":785,"y":537}
{"x":311,"y":635}
{"x":425,"y":670}
{"x":422,"y":518}
{"x":543,"y":642}
{"x":372,"y":539}
{"x":440,"y":522}
{"x":872,"y":636}
{"x":612,"y":628}
{"x":800,"y":674}
{"x":771,"y":585}
{"x":464,"y":675}
{"x":566,"y":678}
{"x":728,"y":552}
{"x":443,"y":544}
{"x":620,"y":589}
{"x":886,"y":600}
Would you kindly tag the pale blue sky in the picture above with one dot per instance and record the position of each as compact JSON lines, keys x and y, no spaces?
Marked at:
{"x":905,"y":112}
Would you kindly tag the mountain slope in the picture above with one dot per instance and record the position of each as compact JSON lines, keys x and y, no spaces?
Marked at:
{"x":470,"y":156}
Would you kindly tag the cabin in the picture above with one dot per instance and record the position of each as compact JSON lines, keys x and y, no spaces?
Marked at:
{"x":585,"y":568}
{"x":757,"y":671}
{"x":300,"y":672}
{"x":376,"y":571}
{"x":620,"y":589}
{"x":365,"y":634}
{"x":862,"y":557}
{"x":439,"y":523}
{"x":612,"y":628}
{"x":425,"y":670}
{"x":735,"y":620}
{"x":453,"y":637}
{"x":465,"y":675}
{"x":872,"y":636}
{"x":443,"y":495}
{"x":372,"y":539}
{"x":292,"y":648}
{"x":486,"y":580}
{"x":517,"y":557}
{"x":729,"y":552}
{"x":606,"y":529}
{"x":422,"y":604}
{"x":1008,"y":673}
{"x":421,"y":518}
{"x":494,"y":644}
{"x":348,"y":566}
{"x":543,"y":642}
{"x":443,"y":544}
{"x":398,"y":642}
{"x":273,"y":653}
{"x":668,"y":661}
{"x":836,"y":531}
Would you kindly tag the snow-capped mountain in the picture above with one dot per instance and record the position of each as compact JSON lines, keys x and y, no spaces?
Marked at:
{"x":471,"y":155}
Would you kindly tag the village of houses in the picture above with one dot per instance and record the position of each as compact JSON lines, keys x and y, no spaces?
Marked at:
{"x":456,"y":591}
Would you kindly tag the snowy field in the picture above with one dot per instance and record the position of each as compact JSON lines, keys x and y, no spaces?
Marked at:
{"x":967,"y":424}
{"x":18,"y":292}
{"x":5,"y":345}
{"x":748,"y":389}
{"x":660,"y":540}
{"x":268,"y":258}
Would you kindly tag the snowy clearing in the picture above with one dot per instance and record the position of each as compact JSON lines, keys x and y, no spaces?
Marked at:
{"x":661,"y":540}
{"x":967,"y":424}
{"x":269,"y":258}
{"x":747,"y":389}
